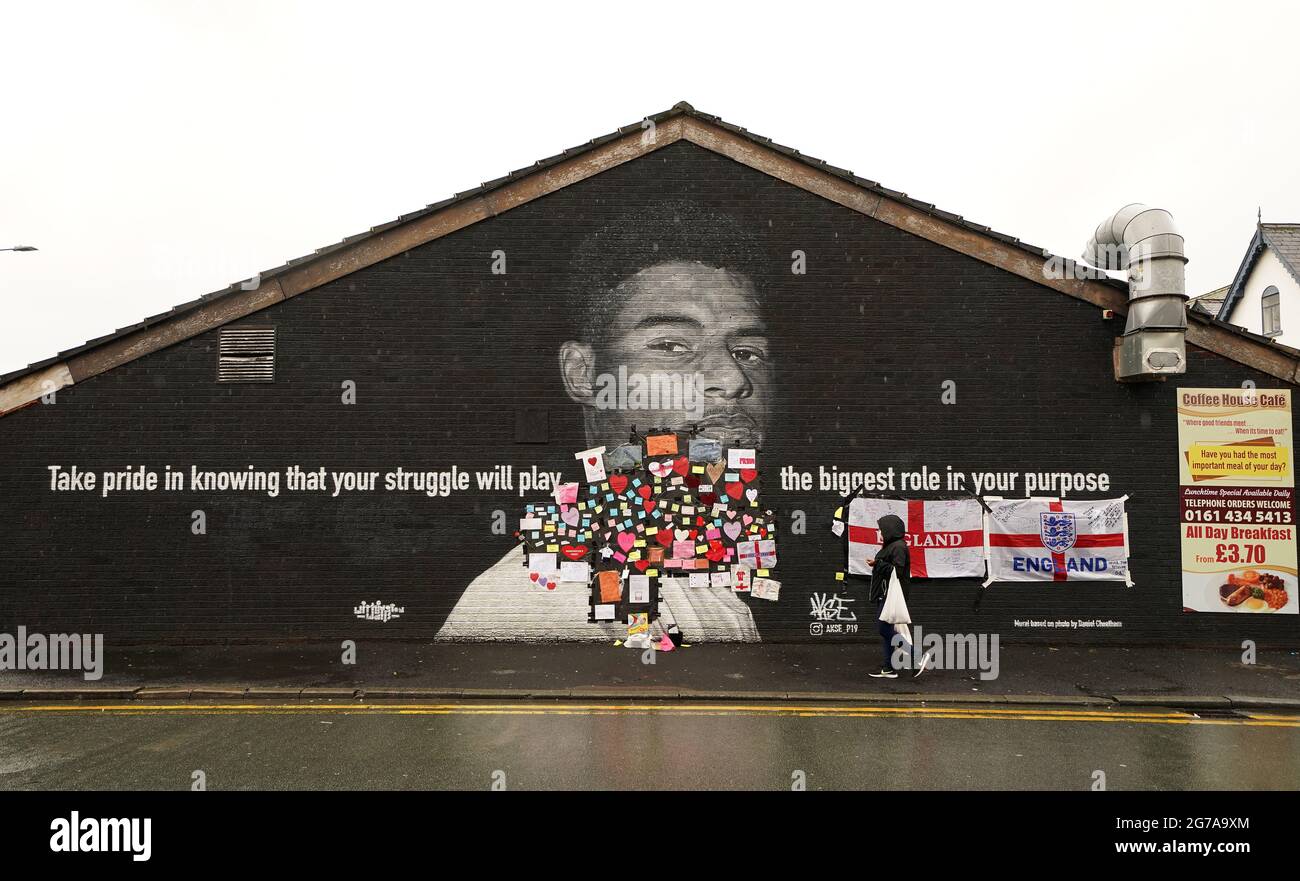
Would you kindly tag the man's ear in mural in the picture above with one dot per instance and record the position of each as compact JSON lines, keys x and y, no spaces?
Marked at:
{"x":578,"y":369}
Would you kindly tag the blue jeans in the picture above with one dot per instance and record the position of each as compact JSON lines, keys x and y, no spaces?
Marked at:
{"x":887,"y":632}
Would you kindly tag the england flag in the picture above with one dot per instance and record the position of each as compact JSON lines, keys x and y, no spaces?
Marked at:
{"x":1058,"y":540}
{"x":945,"y":538}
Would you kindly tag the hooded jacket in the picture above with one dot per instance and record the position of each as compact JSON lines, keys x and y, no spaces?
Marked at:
{"x":892,"y":556}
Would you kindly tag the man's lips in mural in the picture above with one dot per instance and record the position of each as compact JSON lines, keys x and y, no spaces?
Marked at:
{"x":734,"y":428}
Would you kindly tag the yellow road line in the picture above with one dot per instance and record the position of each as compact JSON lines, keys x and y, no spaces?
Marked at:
{"x":691,"y":709}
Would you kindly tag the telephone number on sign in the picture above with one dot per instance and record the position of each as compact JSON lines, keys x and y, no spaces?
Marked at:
{"x":1212,"y":516}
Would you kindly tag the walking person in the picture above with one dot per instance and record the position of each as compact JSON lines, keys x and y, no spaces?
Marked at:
{"x":893,"y":559}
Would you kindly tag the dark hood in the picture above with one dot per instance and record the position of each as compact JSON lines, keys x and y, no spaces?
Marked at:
{"x":891,"y":528}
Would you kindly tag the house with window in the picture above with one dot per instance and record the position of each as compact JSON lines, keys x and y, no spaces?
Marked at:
{"x":1264,"y":296}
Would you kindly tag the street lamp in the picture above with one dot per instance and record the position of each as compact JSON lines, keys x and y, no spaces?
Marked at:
{"x":19,"y":248}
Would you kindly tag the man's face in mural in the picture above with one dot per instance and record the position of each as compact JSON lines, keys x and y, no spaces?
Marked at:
{"x":684,"y":345}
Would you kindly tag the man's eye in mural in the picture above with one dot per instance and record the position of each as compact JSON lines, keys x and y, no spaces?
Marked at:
{"x":750,"y":356}
{"x":670,"y":347}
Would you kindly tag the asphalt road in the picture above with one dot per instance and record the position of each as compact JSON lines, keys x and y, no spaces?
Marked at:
{"x":535,"y":745}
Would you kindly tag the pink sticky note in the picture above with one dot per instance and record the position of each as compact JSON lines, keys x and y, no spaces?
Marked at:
{"x":713,"y":533}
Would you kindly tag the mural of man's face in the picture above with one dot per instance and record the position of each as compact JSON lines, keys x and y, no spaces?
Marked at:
{"x":685,"y":346}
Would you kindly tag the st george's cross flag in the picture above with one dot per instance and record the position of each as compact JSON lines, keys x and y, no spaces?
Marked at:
{"x":945,"y":537}
{"x":1058,"y":540}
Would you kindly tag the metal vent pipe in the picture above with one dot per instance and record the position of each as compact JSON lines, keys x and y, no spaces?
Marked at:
{"x":1144,"y":242}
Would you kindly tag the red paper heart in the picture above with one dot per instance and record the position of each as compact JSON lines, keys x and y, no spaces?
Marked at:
{"x":649,"y":505}
{"x":681,"y":465}
{"x":707,"y":499}
{"x":748,"y":475}
{"x":574,"y":552}
{"x":716,"y":551}
{"x":643,"y":491}
{"x":618,"y":482}
{"x":533,"y":575}
{"x":664,"y":537}
{"x":692,"y":480}
{"x":642,"y":565}
{"x":735,"y":489}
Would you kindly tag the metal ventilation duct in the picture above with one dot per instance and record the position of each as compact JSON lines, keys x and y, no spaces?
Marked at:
{"x":1144,"y":242}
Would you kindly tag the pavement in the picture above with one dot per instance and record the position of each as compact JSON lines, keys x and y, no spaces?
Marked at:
{"x":1162,"y":676}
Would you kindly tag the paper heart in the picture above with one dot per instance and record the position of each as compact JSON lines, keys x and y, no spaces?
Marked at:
{"x":732,"y":530}
{"x":692,"y":480}
{"x":549,"y":585}
{"x":731,"y":515}
{"x":661,"y":469}
{"x":649,"y":505}
{"x":716,"y":551}
{"x":751,"y":494}
{"x":747,"y":519}
{"x":707,"y":499}
{"x":618,"y":482}
{"x":643,"y":491}
{"x":574,"y":552}
{"x":626,"y":540}
{"x":714,"y":471}
{"x":682,"y":465}
{"x":642,"y":565}
{"x":681,"y":534}
{"x":570,"y":516}
{"x":534,"y":575}
{"x":734,"y":489}
{"x":664,"y":537}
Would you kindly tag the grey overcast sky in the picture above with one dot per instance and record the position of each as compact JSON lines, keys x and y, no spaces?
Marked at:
{"x":156,"y":151}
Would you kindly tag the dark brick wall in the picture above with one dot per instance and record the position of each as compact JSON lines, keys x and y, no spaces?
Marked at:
{"x":443,"y":354}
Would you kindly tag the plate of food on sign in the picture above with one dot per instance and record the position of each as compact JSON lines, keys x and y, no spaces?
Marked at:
{"x":1254,"y":590}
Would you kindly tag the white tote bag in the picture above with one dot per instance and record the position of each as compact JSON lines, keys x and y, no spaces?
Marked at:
{"x":894,"y":611}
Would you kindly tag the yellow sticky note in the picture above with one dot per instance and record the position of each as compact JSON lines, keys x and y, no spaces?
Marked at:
{"x":839,"y":576}
{"x":652,"y":572}
{"x":839,"y":512}
{"x":552,"y":549}
{"x":700,"y":549}
{"x":697,"y":469}
{"x":640,"y":543}
{"x":676,"y":507}
{"x":762,"y":573}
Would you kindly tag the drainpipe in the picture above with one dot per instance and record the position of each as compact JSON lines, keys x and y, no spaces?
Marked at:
{"x":1144,"y":242}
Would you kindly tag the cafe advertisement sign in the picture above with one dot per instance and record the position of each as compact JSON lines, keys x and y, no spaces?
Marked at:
{"x":1237,"y":491}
